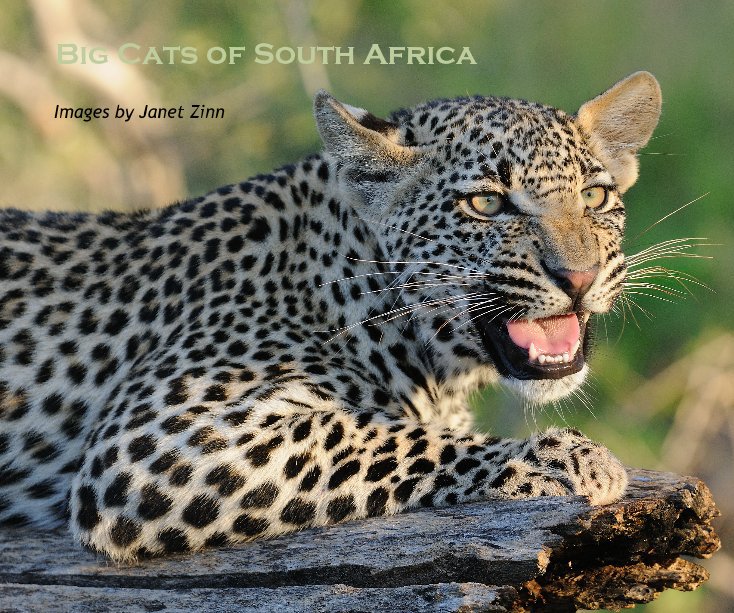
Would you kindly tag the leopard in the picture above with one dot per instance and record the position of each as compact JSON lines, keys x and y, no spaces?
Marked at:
{"x":300,"y":349}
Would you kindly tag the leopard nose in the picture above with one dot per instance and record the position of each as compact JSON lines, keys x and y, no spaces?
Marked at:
{"x":575,"y":283}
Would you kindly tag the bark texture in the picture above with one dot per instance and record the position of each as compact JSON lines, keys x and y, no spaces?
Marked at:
{"x":549,"y":554}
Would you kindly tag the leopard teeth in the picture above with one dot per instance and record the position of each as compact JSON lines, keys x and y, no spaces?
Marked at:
{"x":534,"y":355}
{"x":544,"y":358}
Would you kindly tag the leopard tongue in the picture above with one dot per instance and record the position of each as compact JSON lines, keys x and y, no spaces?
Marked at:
{"x":550,"y":335}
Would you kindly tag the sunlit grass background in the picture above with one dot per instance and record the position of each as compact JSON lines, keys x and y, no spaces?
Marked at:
{"x":661,"y":395}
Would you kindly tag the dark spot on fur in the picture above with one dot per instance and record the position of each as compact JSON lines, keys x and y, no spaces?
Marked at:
{"x":124,"y":531}
{"x":88,"y":514}
{"x":345,"y":472}
{"x":260,"y":497}
{"x":377,"y":501}
{"x":250,"y":526}
{"x":153,"y":503}
{"x":201,"y":511}
{"x":174,"y":540}
{"x":298,"y":512}
{"x":341,"y":507}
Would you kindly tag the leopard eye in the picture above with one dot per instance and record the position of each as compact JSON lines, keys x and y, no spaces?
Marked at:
{"x":595,"y":196}
{"x":482,"y":206}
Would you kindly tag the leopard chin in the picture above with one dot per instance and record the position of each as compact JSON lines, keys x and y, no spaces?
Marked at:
{"x":543,"y":391}
{"x":542,"y":354}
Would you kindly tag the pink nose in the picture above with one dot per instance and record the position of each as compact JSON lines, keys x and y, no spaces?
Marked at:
{"x":574,"y":282}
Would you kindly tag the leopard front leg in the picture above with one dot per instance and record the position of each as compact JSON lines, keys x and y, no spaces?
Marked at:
{"x":195,"y":478}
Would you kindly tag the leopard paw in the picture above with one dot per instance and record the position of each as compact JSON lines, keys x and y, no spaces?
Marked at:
{"x":561,"y":463}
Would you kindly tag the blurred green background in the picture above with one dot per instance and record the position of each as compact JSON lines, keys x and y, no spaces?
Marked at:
{"x":661,"y":394}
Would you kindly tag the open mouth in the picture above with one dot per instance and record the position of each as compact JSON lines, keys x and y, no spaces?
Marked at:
{"x":544,"y":348}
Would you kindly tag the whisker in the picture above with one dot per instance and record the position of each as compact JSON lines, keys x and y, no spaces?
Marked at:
{"x":394,"y":227}
{"x":471,"y":308}
{"x":638,"y":293}
{"x":633,"y":303}
{"x":445,"y":302}
{"x":426,"y":262}
{"x":398,"y":312}
{"x":415,"y":285}
{"x":495,"y":315}
{"x":660,"y":271}
{"x":676,"y":247}
{"x":367,"y":274}
{"x":635,"y":290}
{"x":671,"y":214}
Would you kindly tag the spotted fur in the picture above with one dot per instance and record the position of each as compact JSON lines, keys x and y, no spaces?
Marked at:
{"x":297,"y":349}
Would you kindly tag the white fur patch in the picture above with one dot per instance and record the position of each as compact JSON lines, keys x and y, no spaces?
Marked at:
{"x":543,"y":391}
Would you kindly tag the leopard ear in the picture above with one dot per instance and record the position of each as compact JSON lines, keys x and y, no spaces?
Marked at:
{"x":355,"y":135}
{"x":619,"y":122}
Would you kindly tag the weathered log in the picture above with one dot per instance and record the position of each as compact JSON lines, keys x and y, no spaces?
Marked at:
{"x":550,"y":554}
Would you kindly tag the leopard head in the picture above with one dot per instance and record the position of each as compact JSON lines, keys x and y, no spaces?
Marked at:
{"x":501,"y":220}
